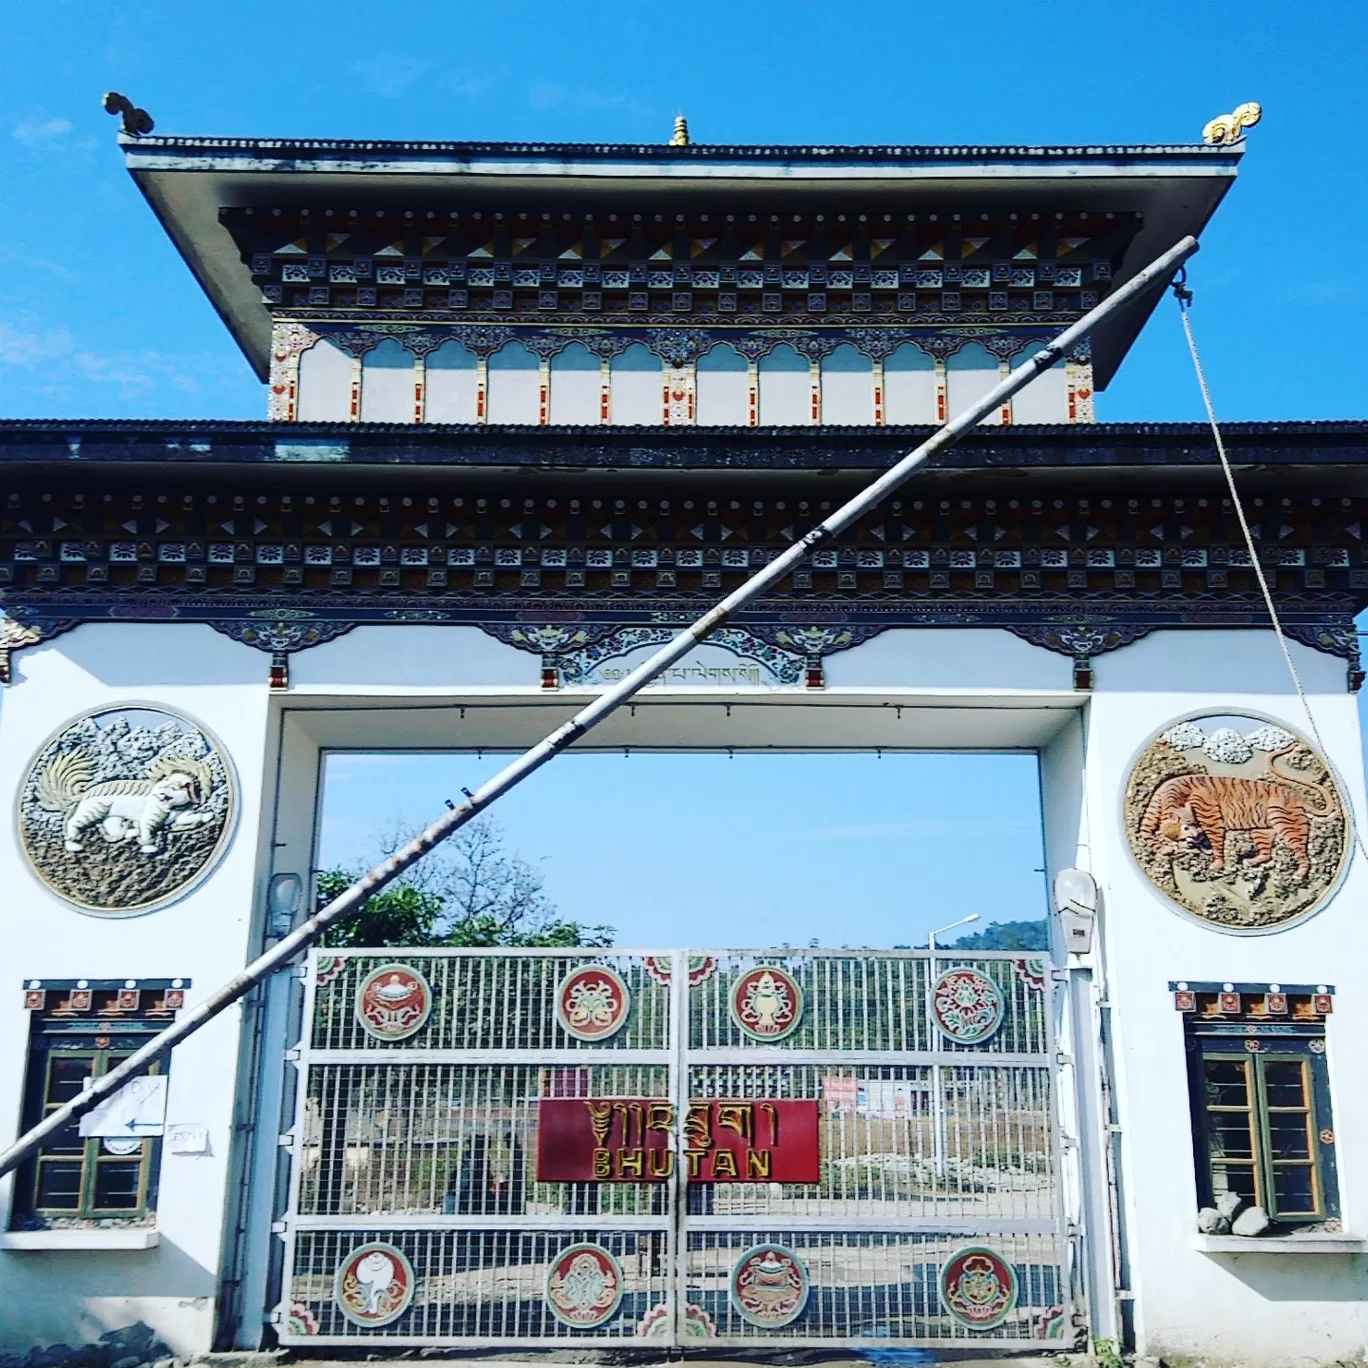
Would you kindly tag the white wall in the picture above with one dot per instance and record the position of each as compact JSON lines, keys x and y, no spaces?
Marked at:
{"x":969,"y":374}
{"x":576,"y":386}
{"x":387,"y":376}
{"x":909,"y":386}
{"x":74,"y":1295}
{"x":785,"y":388}
{"x":514,"y":385}
{"x":722,"y":387}
{"x":325,"y":374}
{"x":451,"y":384}
{"x":638,"y":387}
{"x":1256,"y":1309}
{"x":847,"y":387}
{"x":1046,"y":398}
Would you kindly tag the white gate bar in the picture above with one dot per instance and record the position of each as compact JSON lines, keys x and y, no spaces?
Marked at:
{"x":563,"y":737}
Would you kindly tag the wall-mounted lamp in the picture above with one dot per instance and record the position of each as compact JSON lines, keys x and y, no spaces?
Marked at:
{"x":282,"y":902}
{"x":1075,"y":899}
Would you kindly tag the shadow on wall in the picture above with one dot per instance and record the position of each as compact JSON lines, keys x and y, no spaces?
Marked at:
{"x":1305,"y":1278}
{"x":1240,"y":661}
{"x":134,"y":1343}
{"x":134,"y":654}
{"x":117,"y":1306}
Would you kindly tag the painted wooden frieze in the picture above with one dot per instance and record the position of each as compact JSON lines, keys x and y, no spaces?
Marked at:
{"x":1239,"y":822}
{"x":126,"y":809}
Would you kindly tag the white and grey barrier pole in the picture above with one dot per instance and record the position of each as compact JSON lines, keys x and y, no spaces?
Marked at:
{"x":280,"y":954}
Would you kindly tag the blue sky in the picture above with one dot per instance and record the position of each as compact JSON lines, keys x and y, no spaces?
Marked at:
{"x":706,"y":851}
{"x":99,"y":318}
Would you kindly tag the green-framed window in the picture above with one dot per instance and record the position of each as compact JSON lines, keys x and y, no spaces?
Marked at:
{"x":79,"y":1031}
{"x":1262,"y":1125}
{"x":77,"y":1176}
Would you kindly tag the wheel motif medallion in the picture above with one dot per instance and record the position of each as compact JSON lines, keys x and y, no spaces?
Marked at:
{"x":592,"y":1003}
{"x":373,"y":1285}
{"x":978,"y":1287}
{"x":966,"y":1006}
{"x":767,"y":1003}
{"x":393,"y":1002}
{"x":769,"y":1286}
{"x":583,"y":1286}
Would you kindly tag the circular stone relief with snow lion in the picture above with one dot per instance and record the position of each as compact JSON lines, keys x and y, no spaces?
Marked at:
{"x":1238,"y":821}
{"x":126,"y":809}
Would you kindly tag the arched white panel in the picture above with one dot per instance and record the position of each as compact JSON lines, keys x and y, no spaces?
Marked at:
{"x":514,"y":385}
{"x":325,"y":374}
{"x":451,"y":378}
{"x":722,"y":385}
{"x":909,"y":386}
{"x":785,"y":388}
{"x":638,"y":387}
{"x":847,"y":386}
{"x":575,"y":385}
{"x":1046,"y":398}
{"x":387,"y":384}
{"x":969,"y":374}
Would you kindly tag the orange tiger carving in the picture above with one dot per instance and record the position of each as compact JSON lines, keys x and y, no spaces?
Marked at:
{"x":1198,"y":811}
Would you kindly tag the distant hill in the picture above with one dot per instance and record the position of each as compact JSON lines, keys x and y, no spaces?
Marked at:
{"x":1012,"y":935}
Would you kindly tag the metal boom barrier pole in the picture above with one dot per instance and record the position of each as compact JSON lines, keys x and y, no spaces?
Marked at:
{"x":588,"y":717}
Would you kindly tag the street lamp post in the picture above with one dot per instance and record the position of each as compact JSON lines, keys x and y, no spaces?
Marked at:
{"x":937,"y":1098}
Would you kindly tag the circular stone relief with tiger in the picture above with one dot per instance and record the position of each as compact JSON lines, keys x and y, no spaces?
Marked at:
{"x":126,"y":809}
{"x":1238,"y":821}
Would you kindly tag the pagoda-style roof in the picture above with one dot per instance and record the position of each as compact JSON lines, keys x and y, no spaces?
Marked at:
{"x":204,"y":189}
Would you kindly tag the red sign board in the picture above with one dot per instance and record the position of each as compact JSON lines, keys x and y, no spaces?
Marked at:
{"x":631,"y":1140}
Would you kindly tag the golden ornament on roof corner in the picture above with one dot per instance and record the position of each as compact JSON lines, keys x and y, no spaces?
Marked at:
{"x":680,"y":136}
{"x":1225,"y":129}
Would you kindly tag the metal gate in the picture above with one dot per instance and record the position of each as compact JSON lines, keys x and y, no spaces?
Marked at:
{"x":536,"y":1148}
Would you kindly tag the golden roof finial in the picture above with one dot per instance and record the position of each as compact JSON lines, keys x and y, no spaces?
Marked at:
{"x":1226,"y":129}
{"x":680,"y":136}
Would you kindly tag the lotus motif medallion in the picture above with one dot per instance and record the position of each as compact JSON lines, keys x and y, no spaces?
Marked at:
{"x":966,"y":1006}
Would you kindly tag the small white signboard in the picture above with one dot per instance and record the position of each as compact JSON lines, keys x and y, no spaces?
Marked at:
{"x":183,"y":1138}
{"x":137,"y":1110}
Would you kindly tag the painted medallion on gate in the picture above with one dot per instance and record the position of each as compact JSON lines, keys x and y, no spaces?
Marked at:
{"x":393,"y":1002}
{"x":373,"y":1285}
{"x":592,"y":1002}
{"x":767,"y":1003}
{"x":126,"y":809}
{"x":1238,"y":822}
{"x":584,"y":1286}
{"x":769,"y":1286}
{"x":966,"y":1006}
{"x":978,"y":1287}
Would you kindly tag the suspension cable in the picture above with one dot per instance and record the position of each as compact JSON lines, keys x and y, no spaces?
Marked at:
{"x":1184,"y":297}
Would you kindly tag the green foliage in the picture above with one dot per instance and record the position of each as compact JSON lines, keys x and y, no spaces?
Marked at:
{"x":397,"y":915}
{"x":470,"y":893}
{"x":1013,"y":935}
